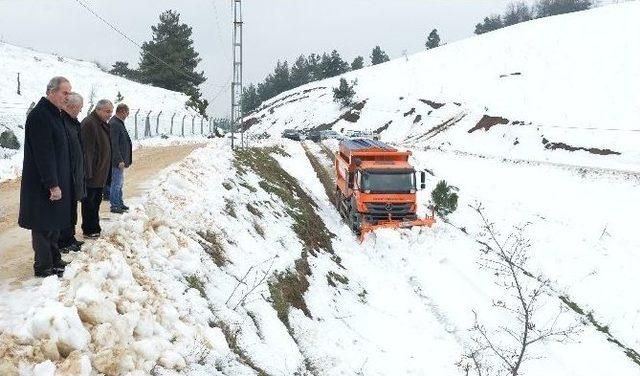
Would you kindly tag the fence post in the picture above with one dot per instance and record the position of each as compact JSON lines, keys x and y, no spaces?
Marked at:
{"x":184,"y":117}
{"x":19,"y":93}
{"x":171,"y":129}
{"x":201,"y":126}
{"x":193,"y":123}
{"x":158,"y":123}
{"x":135,"y":129}
{"x":147,"y":126}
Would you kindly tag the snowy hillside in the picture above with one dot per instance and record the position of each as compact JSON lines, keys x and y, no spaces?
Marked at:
{"x":549,"y":86}
{"x":88,"y":79}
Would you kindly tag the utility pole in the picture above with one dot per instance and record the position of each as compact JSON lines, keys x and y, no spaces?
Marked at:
{"x":236,"y":84}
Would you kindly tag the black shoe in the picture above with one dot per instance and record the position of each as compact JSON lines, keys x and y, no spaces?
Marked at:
{"x":79,"y":244}
{"x":95,"y":235}
{"x":67,"y":249}
{"x":117,"y":210}
{"x":48,"y":272}
{"x":125,"y":207}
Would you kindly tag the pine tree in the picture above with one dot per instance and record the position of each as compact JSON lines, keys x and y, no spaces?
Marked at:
{"x":344,"y":93}
{"x":281,"y":79}
{"x":433,"y":40}
{"x":545,"y":8}
{"x":378,"y":56}
{"x":358,"y":63}
{"x":516,"y":13}
{"x":444,"y":199}
{"x":172,"y":44}
{"x":250,"y":99}
{"x":119,"y":98}
{"x":300,"y":72}
{"x":335,"y":66}
{"x":324,"y":66}
{"x":315,"y":69}
{"x":121,"y":68}
{"x":491,"y":23}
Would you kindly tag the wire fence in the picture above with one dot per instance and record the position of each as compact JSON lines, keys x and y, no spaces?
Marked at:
{"x":141,"y":123}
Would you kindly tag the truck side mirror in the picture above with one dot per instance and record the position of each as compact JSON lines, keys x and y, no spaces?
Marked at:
{"x":423,"y":180}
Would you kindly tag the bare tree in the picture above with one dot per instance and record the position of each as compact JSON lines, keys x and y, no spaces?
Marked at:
{"x":527,"y":304}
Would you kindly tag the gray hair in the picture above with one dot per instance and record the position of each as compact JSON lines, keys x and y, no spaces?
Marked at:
{"x":54,"y":84}
{"x":74,"y":99}
{"x":102,"y":103}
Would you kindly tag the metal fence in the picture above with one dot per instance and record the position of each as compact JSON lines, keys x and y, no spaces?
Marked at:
{"x":141,"y":123}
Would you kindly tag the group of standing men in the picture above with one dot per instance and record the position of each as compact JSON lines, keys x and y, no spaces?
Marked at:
{"x":66,"y":161}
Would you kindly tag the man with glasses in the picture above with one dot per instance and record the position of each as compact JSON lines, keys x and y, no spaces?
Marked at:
{"x":121,"y":152}
{"x":96,"y":143}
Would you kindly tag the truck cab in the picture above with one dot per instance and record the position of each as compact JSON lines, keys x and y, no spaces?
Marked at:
{"x":375,"y":184}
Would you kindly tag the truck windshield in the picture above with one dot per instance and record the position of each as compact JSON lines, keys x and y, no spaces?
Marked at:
{"x":388,"y":182}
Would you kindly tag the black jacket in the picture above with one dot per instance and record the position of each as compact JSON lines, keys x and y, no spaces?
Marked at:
{"x":121,"y":149}
{"x":46,"y":165}
{"x":96,"y":147}
{"x":77,"y":158}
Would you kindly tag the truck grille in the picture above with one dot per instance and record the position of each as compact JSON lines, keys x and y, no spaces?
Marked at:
{"x":384,"y":211}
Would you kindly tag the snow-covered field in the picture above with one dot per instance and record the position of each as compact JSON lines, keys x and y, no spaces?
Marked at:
{"x":238,"y":264}
{"x":92,"y":83}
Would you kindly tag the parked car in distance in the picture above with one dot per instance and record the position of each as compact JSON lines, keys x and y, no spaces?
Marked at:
{"x":331,"y":134}
{"x":314,"y":136}
{"x":291,"y":134}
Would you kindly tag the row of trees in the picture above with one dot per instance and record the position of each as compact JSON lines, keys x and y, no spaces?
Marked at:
{"x":305,"y":69}
{"x":521,"y":12}
{"x":169,"y":61}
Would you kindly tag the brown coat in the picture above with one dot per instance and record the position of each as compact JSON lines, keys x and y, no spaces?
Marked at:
{"x":96,"y":145}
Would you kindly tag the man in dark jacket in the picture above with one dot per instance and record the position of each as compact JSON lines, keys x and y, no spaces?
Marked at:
{"x":45,"y":191}
{"x":68,"y":241}
{"x":96,"y":147}
{"x":121,"y":152}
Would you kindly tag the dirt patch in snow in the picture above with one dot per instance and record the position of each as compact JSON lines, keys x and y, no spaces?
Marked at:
{"x":434,"y":105}
{"x":352,"y":115}
{"x":410,"y":112}
{"x":487,"y":122}
{"x":417,"y":119}
{"x":561,"y":145}
{"x":383,"y":128}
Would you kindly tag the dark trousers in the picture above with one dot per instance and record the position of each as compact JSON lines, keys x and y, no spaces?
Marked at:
{"x":45,"y":247}
{"x":91,"y":211}
{"x":68,"y":235}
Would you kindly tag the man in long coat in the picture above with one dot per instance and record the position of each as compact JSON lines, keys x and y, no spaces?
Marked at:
{"x":73,"y":107}
{"x":96,"y":147}
{"x":45,"y":199}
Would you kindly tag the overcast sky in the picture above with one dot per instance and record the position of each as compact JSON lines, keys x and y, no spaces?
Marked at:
{"x":273,"y":30}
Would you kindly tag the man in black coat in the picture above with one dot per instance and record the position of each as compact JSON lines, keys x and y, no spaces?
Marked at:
{"x":45,"y":191}
{"x":73,"y":107}
{"x":121,"y":157}
{"x":96,"y":147}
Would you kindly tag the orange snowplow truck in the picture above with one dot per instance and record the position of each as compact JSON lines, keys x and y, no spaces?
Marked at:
{"x":376,"y":187}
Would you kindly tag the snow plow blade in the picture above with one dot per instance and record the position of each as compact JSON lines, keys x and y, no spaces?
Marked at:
{"x":367,"y":228}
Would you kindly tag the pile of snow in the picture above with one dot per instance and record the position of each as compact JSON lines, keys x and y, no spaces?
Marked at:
{"x":569,"y":81}
{"x":36,"y":69}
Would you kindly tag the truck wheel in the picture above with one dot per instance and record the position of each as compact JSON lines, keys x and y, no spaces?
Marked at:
{"x":354,"y":222}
